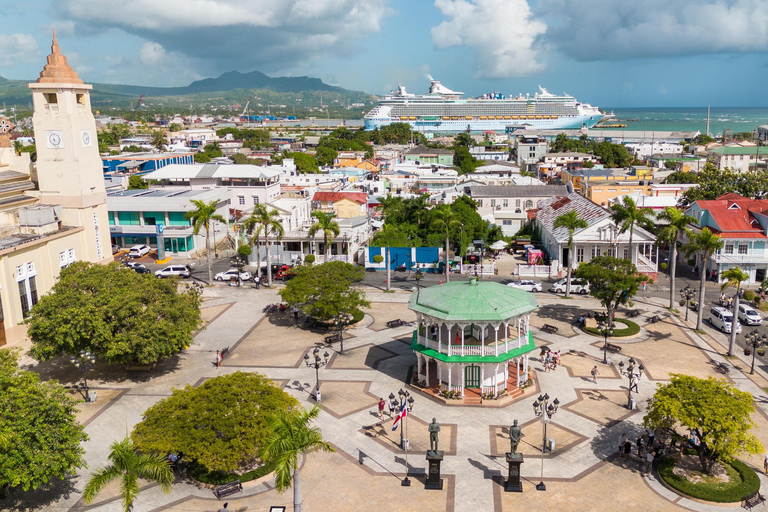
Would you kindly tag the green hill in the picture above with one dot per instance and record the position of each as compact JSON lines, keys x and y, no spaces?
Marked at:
{"x":299,"y":95}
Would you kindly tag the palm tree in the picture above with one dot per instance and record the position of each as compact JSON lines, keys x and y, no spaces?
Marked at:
{"x":202,"y":217}
{"x":704,"y":244}
{"x":444,"y":218}
{"x":328,"y":226}
{"x":158,"y":139}
{"x":627,"y":215}
{"x":253,"y":228}
{"x":571,"y":222}
{"x":271,"y":225}
{"x":677,"y":225}
{"x":733,"y":277}
{"x":17,"y":146}
{"x":129,"y":467}
{"x":290,"y":438}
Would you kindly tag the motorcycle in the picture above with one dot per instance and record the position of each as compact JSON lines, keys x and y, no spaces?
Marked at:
{"x":401,"y":268}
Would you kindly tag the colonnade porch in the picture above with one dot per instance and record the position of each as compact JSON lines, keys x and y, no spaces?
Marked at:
{"x":482,"y":338}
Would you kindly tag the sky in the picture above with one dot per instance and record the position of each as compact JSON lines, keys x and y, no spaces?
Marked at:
{"x":610,"y":53}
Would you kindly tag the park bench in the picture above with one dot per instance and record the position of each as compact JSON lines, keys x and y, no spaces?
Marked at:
{"x":227,"y":489}
{"x":552,"y":329}
{"x":331,"y":338}
{"x":753,"y":501}
{"x":632,"y":313}
{"x":613,"y":348}
{"x":654,"y":319}
{"x":395,"y":323}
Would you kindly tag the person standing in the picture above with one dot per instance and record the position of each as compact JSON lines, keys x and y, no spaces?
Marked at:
{"x":257,"y":281}
{"x":218,"y":358}
{"x":622,"y":440}
{"x":627,"y":448}
{"x":648,"y":461}
{"x":594,"y":373}
{"x":651,"y":436}
{"x":382,"y":403}
{"x":392,"y":407}
{"x":224,"y":508}
{"x":645,"y":283}
{"x":296,"y":315}
{"x":765,"y":464}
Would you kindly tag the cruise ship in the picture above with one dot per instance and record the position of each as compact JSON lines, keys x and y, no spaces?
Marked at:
{"x":444,"y":110}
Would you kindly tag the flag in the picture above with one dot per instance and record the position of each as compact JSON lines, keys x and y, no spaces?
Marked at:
{"x":402,"y":414}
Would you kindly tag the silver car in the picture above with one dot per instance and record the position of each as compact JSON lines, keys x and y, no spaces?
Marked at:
{"x":526,"y":285}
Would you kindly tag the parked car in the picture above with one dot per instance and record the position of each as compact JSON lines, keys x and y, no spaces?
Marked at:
{"x":115,"y":248}
{"x":173,"y":270}
{"x":137,"y":251}
{"x":526,"y":285}
{"x":722,"y":319}
{"x":141,"y":269}
{"x":229,"y":274}
{"x":577,"y":286}
{"x":749,"y":315}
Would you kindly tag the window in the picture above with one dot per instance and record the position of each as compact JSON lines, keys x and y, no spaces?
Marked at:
{"x":51,"y":97}
{"x":493,"y":203}
{"x":728,"y":248}
{"x":528,"y":204}
{"x":255,"y":199}
{"x":626,"y":254}
{"x":506,"y":203}
{"x":517,"y":203}
{"x":579,"y":254}
{"x":743,"y":248}
{"x":480,"y":201}
{"x":80,"y":99}
{"x":66,"y":258}
{"x":595,"y":252}
{"x":506,"y":222}
{"x":241,"y":200}
{"x":28,"y":294}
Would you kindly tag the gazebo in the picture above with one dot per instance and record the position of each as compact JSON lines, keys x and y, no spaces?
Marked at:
{"x":472,"y":338}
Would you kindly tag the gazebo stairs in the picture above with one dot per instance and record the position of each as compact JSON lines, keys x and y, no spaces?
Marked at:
{"x":512,"y":389}
{"x":473,"y":396}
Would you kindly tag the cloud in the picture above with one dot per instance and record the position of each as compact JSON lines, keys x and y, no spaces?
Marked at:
{"x":228,"y":34}
{"x":611,"y":30}
{"x":152,"y":54}
{"x":16,"y":48}
{"x":502,"y":34}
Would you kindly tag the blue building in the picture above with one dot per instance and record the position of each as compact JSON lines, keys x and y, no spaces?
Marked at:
{"x":140,"y":163}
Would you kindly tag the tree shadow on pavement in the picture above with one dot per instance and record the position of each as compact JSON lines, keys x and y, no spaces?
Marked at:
{"x":42,"y":498}
{"x":66,"y":373}
{"x":605,"y":444}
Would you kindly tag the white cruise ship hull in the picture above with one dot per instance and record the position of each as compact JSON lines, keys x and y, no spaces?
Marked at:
{"x":482,"y":125}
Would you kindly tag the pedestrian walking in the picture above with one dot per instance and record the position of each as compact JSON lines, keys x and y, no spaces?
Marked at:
{"x":765,"y":464}
{"x":648,"y":461}
{"x":218,"y":358}
{"x":644,"y":285}
{"x":382,"y":403}
{"x":622,"y":440}
{"x":594,"y":373}
{"x":434,"y":332}
{"x":713,"y":275}
{"x":639,"y":443}
{"x":392,"y":407}
{"x":627,"y":448}
{"x":257,"y":281}
{"x":651,"y":436}
{"x":224,"y":508}
{"x":296,"y":315}
{"x":633,"y":382}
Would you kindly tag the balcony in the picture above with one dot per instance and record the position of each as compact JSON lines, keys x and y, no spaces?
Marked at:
{"x":740,"y":258}
{"x":472,"y":346}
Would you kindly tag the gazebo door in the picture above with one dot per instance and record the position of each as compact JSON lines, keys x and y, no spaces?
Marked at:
{"x":472,"y":377}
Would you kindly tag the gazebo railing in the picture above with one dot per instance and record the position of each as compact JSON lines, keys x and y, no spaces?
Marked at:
{"x":469,"y":350}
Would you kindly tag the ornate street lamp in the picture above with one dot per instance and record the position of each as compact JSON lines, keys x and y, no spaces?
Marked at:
{"x":317,"y":364}
{"x":755,"y":341}
{"x":687,"y":294}
{"x":84,"y":362}
{"x":630,"y":374}
{"x":544,"y":410}
{"x":607,"y":330}
{"x":405,"y":401}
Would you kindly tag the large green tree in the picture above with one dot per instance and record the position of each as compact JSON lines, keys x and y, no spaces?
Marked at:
{"x":733,"y":277}
{"x":128,"y":466}
{"x":675,"y":227}
{"x":703,"y":244}
{"x":291,"y":437}
{"x":203,"y":216}
{"x":305,"y":163}
{"x":220,"y":424}
{"x":116,"y":314}
{"x":325,"y":224}
{"x":135,"y":182}
{"x":716,"y":411}
{"x":613,"y":281}
{"x":627,"y":216}
{"x":571,"y":222}
{"x":38,"y":421}
{"x":445,"y":219}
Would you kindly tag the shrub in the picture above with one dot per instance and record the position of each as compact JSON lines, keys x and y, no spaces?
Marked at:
{"x":744,"y":483}
{"x":309,"y":258}
{"x":749,"y":295}
{"x":630,"y":330}
{"x":200,"y":473}
{"x":663,"y":266}
{"x":378,"y":258}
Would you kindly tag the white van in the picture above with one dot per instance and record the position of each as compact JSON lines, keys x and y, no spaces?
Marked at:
{"x":723,"y":319}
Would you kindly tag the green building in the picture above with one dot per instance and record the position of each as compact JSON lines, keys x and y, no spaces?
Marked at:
{"x":425,"y":155}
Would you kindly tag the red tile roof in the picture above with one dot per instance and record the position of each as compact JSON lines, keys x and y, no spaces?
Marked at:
{"x":358,"y":197}
{"x":734,"y":215}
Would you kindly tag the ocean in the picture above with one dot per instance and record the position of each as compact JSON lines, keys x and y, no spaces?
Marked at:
{"x":689,"y":119}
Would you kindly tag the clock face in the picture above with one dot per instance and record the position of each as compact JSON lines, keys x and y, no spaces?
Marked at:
{"x":54,"y":139}
{"x":86,"y":138}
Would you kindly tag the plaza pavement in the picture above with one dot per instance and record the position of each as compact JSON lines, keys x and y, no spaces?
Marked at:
{"x":367,"y":467}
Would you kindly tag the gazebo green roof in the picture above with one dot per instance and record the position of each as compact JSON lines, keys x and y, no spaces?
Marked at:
{"x":472,"y":301}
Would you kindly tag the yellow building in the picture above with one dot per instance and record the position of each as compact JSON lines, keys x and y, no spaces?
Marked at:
{"x":56,"y":214}
{"x":347,"y":159}
{"x":602,"y":192}
{"x":368,"y":165}
{"x":345,"y":205}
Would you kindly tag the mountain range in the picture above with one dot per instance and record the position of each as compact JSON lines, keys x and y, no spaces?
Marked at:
{"x":230,"y":88}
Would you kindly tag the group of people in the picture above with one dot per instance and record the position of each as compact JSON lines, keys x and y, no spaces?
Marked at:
{"x":646,"y":448}
{"x":550,"y":359}
{"x":393,"y":405}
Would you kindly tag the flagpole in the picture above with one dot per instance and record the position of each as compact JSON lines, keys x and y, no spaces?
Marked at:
{"x":406,"y":482}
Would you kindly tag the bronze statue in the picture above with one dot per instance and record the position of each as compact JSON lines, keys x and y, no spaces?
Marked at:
{"x":515,"y":433}
{"x":434,"y":428}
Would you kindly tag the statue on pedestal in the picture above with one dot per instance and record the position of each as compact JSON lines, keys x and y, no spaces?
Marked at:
{"x":515,"y":433}
{"x":434,"y":428}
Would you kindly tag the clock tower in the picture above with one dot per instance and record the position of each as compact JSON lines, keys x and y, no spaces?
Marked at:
{"x":69,"y":167}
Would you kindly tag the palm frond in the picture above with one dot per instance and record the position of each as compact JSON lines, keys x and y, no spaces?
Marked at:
{"x":99,"y":479}
{"x":129,"y":490}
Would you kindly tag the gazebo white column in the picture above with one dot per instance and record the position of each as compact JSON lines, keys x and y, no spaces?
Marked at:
{"x":496,"y":340}
{"x":440,"y":337}
{"x":461,"y":377}
{"x":426,"y":372}
{"x":461,"y":326}
{"x":450,"y":380}
{"x":439,"y":376}
{"x":482,"y":378}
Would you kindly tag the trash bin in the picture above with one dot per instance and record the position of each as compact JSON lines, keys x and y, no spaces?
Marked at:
{"x":608,"y":358}
{"x":317,"y":395}
{"x":632,"y":404}
{"x":92,"y":396}
{"x":406,"y":445}
{"x":551,"y":444}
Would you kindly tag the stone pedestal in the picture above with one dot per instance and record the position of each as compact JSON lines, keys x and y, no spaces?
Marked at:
{"x":433,"y":476}
{"x":513,"y":477}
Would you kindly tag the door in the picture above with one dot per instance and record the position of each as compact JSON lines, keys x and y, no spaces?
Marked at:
{"x":472,"y":377}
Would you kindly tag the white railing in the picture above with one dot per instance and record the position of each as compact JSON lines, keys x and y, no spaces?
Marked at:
{"x":646,"y":269}
{"x":456,"y":389}
{"x":469,"y":350}
{"x":533,"y":270}
{"x":740,"y":258}
{"x":320,"y":258}
{"x":486,"y":269}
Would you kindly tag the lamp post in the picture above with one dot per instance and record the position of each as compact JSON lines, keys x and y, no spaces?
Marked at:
{"x":418,"y":275}
{"x":755,"y":340}
{"x":84,"y":362}
{"x":630,"y":373}
{"x":405,"y":400}
{"x":687,"y":294}
{"x":544,"y":410}
{"x":317,"y":364}
{"x":607,"y":330}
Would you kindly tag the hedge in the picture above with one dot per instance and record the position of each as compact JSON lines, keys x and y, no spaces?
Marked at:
{"x":749,"y":295}
{"x":202,"y":474}
{"x":309,"y":258}
{"x":631,"y":329}
{"x":356,"y":317}
{"x":720,"y":493}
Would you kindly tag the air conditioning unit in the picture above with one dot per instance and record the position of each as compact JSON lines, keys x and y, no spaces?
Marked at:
{"x":498,"y":207}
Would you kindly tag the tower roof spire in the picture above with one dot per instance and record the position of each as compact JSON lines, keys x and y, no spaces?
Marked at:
{"x":58,"y":70}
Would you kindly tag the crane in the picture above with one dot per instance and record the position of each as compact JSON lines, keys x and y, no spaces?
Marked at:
{"x":139,"y":103}
{"x":245,"y":110}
